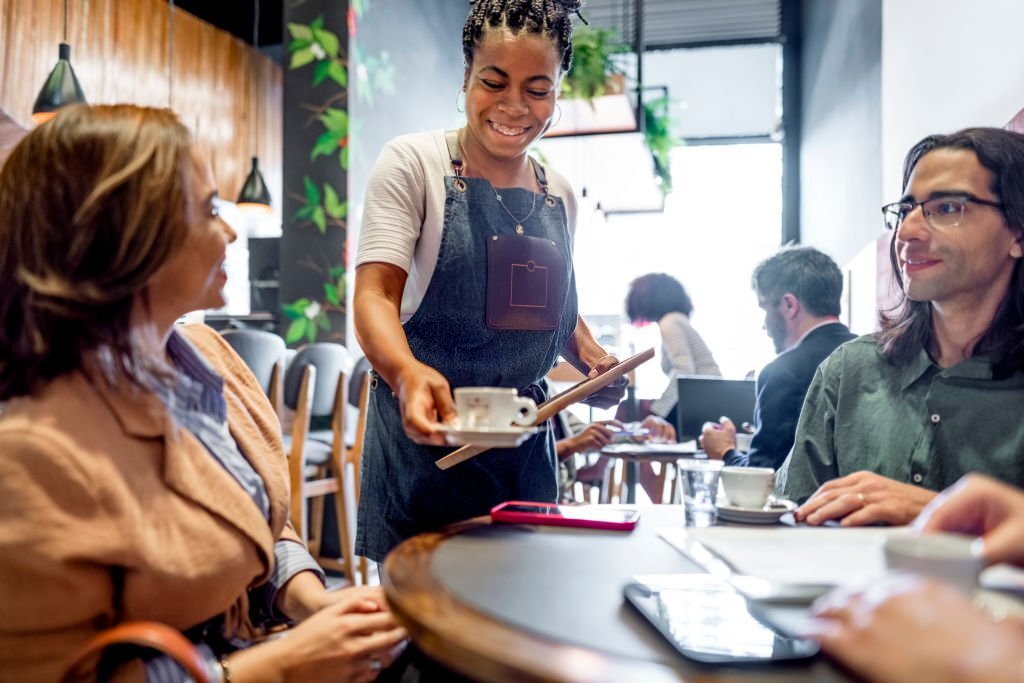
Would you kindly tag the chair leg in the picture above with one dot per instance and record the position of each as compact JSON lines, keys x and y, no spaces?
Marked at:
{"x":316,"y":526}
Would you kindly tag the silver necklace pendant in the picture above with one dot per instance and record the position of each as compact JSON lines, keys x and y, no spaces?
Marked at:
{"x":519,"y":230}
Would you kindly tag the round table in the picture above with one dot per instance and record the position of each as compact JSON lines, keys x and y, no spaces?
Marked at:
{"x":501,"y":602}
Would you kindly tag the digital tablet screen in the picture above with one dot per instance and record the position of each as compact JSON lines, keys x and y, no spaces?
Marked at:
{"x":707,"y":621}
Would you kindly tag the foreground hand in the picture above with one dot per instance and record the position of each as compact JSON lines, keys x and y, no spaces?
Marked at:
{"x":425,"y":399}
{"x":906,"y":628}
{"x":659,"y":429}
{"x":981,"y":506}
{"x":717,"y":438}
{"x":611,"y":394}
{"x":351,"y":640}
{"x":864,"y":498}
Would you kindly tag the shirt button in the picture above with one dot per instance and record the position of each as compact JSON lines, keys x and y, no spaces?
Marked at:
{"x":936,"y":418}
{"x":917,"y":478}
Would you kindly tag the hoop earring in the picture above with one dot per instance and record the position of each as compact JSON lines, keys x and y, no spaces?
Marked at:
{"x":460,"y":109}
{"x":552,"y":124}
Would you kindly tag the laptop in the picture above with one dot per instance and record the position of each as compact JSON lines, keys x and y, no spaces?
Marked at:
{"x":705,"y":399}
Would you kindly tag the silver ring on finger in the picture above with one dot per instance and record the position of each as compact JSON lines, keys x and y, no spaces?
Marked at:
{"x":375,"y":665}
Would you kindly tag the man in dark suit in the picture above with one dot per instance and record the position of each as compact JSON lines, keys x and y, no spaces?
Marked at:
{"x":799,"y":289}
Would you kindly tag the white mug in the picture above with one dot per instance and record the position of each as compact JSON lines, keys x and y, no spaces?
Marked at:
{"x":493,"y":408}
{"x":950,"y":557}
{"x":748,"y":487}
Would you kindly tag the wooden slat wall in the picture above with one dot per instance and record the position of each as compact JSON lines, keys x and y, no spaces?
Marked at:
{"x":225,"y":91}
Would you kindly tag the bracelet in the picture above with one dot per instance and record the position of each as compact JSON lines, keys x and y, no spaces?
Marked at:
{"x":225,"y":670}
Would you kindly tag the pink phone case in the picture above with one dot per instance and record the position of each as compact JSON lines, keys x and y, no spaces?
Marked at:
{"x":550,"y":514}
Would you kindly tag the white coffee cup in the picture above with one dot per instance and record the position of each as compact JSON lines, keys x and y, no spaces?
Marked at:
{"x":493,"y":408}
{"x":949,"y":557}
{"x":748,"y":487}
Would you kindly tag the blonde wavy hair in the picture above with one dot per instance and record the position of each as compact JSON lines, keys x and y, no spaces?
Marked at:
{"x":92,"y":203}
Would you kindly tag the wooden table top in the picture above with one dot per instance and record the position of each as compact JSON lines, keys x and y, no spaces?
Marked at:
{"x":515,"y":603}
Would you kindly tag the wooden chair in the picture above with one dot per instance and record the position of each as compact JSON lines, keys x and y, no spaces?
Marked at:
{"x":264,"y":353}
{"x":316,"y":463}
{"x":354,"y":455}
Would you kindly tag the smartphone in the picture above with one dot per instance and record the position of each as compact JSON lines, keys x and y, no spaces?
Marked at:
{"x":551,"y":514}
{"x":707,"y":621}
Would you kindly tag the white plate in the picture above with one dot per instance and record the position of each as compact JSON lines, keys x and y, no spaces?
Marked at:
{"x":765,"y":515}
{"x":493,"y":437}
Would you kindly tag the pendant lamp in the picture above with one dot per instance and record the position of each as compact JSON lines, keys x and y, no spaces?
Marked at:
{"x":255,"y":196}
{"x":61,"y":86}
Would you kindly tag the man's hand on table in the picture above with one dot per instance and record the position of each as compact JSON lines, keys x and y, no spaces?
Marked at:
{"x":864,"y":498}
{"x":718,"y":438}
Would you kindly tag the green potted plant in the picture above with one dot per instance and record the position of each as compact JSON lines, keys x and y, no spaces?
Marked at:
{"x":594,"y":71}
{"x":660,"y":140}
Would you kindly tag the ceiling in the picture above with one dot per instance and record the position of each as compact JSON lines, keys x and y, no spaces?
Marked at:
{"x":236,"y":17}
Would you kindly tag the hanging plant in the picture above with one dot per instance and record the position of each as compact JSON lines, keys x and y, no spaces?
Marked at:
{"x":594,"y":71}
{"x":660,"y":140}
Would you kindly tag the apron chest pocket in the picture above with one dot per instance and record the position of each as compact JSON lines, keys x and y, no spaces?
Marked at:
{"x":526,"y":283}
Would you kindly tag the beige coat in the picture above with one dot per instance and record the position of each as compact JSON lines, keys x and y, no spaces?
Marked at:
{"x":109,"y":512}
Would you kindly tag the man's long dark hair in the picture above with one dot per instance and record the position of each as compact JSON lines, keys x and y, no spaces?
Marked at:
{"x":907,"y":327}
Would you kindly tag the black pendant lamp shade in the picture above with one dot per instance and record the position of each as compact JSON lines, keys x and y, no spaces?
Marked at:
{"x":61,"y":88}
{"x":254,"y":195}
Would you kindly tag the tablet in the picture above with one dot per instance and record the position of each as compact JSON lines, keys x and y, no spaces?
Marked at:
{"x":706,"y":620}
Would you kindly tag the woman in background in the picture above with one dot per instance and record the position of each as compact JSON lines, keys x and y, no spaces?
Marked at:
{"x":661,"y":299}
{"x":142,"y":475}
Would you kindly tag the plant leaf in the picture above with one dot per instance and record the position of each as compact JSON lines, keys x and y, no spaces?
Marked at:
{"x":320,"y":219}
{"x":312,"y":191}
{"x":336,"y":272}
{"x":318,"y":22}
{"x":300,"y":31}
{"x":323,"y":322}
{"x":331,"y":293}
{"x":335,"y":207}
{"x":338,"y":73}
{"x":296,"y":330}
{"x":311,"y":331}
{"x":320,"y":72}
{"x":344,"y":157}
{"x":301,"y":58}
{"x":335,"y":120}
{"x":326,"y":144}
{"x":327,"y":40}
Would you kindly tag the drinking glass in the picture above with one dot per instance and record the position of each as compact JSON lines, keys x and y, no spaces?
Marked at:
{"x":700,"y":488}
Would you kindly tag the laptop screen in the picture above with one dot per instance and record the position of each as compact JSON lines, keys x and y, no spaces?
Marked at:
{"x":705,"y":399}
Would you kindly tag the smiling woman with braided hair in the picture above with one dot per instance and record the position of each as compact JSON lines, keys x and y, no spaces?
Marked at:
{"x":438,"y":302}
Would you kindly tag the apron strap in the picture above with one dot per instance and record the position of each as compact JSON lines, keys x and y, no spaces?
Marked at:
{"x":451,"y":138}
{"x":454,"y":151}
{"x":542,"y":178}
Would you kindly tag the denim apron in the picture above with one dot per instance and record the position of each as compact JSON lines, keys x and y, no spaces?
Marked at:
{"x":402,"y":492}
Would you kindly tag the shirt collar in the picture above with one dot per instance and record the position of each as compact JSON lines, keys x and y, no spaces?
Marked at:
{"x":976,"y":367}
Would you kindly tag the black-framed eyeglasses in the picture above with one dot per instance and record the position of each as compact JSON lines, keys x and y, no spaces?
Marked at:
{"x":939,"y":212}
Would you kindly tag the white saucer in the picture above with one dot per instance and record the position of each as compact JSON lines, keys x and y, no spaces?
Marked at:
{"x":491,"y":437}
{"x":766,"y":515}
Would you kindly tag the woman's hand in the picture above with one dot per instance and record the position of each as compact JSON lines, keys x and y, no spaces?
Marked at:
{"x":425,"y":399}
{"x":352,"y":639}
{"x":981,"y":506}
{"x":612,"y":394}
{"x":905,"y":628}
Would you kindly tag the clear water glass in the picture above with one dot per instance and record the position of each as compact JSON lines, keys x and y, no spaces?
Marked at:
{"x":700,"y":489}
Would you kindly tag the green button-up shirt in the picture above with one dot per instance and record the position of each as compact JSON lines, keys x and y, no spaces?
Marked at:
{"x":918,"y":424}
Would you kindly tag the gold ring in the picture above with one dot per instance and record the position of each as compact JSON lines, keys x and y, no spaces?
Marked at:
{"x":863,"y":499}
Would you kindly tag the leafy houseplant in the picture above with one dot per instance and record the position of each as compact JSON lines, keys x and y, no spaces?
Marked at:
{"x":660,"y":140}
{"x":594,"y":71}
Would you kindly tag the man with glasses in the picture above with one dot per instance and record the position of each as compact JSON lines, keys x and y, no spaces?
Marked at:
{"x":893,"y":417}
{"x":799,"y":289}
